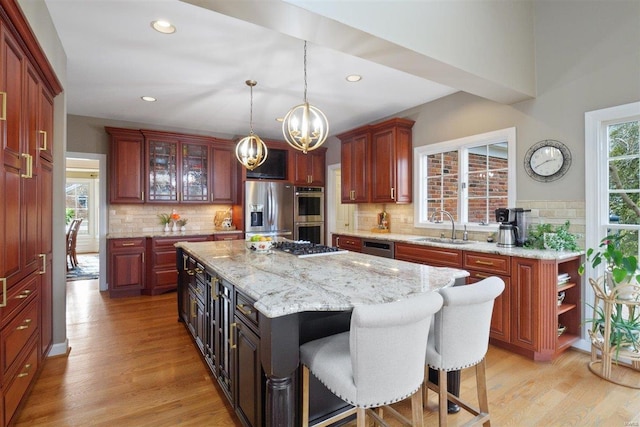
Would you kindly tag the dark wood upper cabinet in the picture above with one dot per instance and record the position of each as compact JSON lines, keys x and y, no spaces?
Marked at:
{"x":377,"y":163}
{"x":309,"y":169}
{"x":391,"y":161}
{"x":126,"y":166}
{"x":225,"y":174}
{"x":355,"y":166}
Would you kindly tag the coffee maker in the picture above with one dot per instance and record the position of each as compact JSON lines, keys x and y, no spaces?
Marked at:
{"x":514,"y":226}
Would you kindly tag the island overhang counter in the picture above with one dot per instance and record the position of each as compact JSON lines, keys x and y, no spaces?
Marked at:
{"x":282,"y":301}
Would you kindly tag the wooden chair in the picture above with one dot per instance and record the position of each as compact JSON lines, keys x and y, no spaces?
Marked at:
{"x":72,"y":237}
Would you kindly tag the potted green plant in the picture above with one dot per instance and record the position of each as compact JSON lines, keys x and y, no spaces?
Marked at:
{"x":547,"y":236}
{"x":620,"y":289}
{"x":165,"y":219}
{"x":620,"y":267}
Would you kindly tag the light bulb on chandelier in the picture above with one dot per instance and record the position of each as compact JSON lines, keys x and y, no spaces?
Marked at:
{"x":305,"y":127}
{"x":251,"y":151}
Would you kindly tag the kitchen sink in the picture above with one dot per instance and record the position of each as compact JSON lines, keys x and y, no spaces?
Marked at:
{"x":445,"y":240}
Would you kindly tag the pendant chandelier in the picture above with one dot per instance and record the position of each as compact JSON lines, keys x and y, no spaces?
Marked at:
{"x":251,"y":151}
{"x":305,"y":127}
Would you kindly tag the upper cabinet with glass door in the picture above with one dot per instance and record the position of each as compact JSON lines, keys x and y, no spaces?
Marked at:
{"x":177,"y":168}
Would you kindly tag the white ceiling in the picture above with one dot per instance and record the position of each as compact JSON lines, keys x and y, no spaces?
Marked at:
{"x":198,"y":74}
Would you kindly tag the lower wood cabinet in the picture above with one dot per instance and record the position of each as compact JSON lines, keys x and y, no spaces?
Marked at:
{"x":126,"y":270}
{"x":349,"y":243}
{"x":482,"y":265}
{"x":224,"y":327}
{"x":147,"y":265}
{"x":439,"y":257}
{"x":19,"y":344}
{"x":526,"y":316}
{"x":161,"y":270}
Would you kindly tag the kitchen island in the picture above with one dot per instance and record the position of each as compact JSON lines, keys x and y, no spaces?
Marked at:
{"x":249,"y":313}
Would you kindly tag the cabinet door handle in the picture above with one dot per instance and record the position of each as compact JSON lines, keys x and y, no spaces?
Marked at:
{"x":27,"y":367}
{"x":29,"y":173}
{"x":393,"y":193}
{"x":3,"y":114}
{"x":24,"y":294}
{"x":4,"y":287}
{"x":24,"y":326}
{"x":193,"y":309}
{"x":44,"y":140}
{"x":338,"y":241}
{"x":483,"y":262}
{"x":184,"y":262}
{"x":128,"y":244}
{"x":481,"y":276}
{"x":232,"y":344}
{"x":44,"y":263}
{"x":241,"y":308}
{"x":199,"y":270}
{"x":142,"y":196}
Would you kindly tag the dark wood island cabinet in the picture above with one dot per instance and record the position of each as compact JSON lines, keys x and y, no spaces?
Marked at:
{"x":248,"y":314}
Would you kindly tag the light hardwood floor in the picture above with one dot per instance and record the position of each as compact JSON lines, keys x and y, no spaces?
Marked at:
{"x":133,"y":364}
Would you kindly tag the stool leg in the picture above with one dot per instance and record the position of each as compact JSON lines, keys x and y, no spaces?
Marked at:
{"x":481,"y":379}
{"x":417,"y":410}
{"x":305,"y":396}
{"x":442,"y":397}
{"x":361,"y":417}
{"x":453,"y":386}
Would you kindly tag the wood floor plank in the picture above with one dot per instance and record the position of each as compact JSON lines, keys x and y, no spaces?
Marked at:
{"x":133,"y":364}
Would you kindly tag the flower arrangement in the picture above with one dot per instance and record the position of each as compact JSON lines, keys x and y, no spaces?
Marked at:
{"x":175,"y":216}
{"x":182,"y":222}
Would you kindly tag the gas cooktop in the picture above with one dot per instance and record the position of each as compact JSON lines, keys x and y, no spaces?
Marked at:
{"x":306,"y":249}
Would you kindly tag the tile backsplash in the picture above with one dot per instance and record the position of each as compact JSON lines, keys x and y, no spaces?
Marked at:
{"x":548,"y":211}
{"x":136,"y":218}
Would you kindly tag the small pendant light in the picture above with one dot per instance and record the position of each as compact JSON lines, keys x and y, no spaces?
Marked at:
{"x":251,"y":151}
{"x":305,"y":127}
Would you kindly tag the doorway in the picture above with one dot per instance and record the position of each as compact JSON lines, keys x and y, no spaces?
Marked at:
{"x":85,"y":197}
{"x":341,"y":217}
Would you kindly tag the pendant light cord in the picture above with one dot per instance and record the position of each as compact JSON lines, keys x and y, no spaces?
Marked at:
{"x":251,"y":110}
{"x":305,"y":71}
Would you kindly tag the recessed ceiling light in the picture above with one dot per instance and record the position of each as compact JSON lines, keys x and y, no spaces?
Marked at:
{"x":353,"y":78}
{"x":148,"y":98}
{"x":164,"y":27}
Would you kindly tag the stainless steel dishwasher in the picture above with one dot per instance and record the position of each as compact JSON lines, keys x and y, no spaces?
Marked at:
{"x":381,"y":248}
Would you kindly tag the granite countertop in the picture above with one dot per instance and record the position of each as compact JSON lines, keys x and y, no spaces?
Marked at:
{"x":476,"y":246}
{"x":160,"y":233}
{"x":283,"y":284}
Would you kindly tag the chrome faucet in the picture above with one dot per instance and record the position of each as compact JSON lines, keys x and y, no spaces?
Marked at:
{"x":453,"y":224}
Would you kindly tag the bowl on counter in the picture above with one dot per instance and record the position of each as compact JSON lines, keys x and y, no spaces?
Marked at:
{"x":260,"y":246}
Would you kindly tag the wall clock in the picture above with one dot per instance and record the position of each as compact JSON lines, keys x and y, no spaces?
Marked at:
{"x":547,"y":160}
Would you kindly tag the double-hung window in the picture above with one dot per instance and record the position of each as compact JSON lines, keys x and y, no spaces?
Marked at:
{"x":469,"y":178}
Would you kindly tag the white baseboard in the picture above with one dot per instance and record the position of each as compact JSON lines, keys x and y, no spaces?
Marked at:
{"x":59,"y":349}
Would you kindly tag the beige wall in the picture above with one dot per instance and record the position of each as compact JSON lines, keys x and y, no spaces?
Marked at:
{"x":587,"y":58}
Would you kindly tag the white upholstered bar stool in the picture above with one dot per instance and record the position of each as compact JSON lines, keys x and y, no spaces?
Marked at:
{"x":459,"y":338}
{"x":379,"y":361}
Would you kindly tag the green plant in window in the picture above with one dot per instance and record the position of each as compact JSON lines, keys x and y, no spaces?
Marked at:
{"x":69,"y":215}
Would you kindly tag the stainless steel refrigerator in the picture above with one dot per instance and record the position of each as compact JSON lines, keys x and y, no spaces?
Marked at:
{"x":269,"y":208}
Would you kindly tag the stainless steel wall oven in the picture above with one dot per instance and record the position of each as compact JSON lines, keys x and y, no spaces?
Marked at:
{"x":309,"y":204}
{"x":308,"y":214}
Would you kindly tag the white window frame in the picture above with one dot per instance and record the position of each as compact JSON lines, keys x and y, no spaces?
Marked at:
{"x":597,"y":189}
{"x":462,"y":145}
